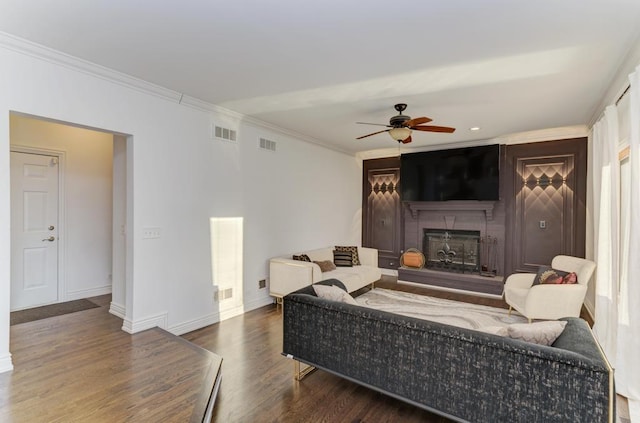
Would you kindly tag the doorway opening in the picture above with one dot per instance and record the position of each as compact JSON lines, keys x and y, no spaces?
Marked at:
{"x":84,"y":254}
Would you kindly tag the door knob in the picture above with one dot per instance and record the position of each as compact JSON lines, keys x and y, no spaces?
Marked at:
{"x":51,"y":227}
{"x":50,"y":239}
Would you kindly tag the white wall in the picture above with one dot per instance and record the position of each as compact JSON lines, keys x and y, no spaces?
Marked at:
{"x":86,"y":267}
{"x":302,"y":197}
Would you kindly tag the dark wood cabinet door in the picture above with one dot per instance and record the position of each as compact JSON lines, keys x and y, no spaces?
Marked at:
{"x":381,"y":211}
{"x":546,"y":213}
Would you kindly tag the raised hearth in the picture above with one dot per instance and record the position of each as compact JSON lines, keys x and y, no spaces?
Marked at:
{"x":468,"y":282}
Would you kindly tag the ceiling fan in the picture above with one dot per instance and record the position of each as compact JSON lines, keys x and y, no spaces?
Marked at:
{"x":402,"y":125}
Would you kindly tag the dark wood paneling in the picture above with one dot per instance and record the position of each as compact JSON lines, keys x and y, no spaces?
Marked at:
{"x":546,"y":182}
{"x":381,"y":212}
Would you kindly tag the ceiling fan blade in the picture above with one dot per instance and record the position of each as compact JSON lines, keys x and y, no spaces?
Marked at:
{"x":433,"y":128}
{"x":377,"y":124}
{"x":407,"y":140}
{"x":375,"y":133}
{"x":417,"y":121}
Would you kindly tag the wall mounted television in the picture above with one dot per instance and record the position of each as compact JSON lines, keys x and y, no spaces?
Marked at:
{"x":470,"y":173}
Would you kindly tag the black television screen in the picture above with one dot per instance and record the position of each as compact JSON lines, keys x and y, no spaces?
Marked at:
{"x":457,"y":174}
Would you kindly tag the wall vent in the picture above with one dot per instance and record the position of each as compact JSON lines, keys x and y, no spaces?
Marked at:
{"x":266,"y":144}
{"x":223,"y":133}
{"x":224,"y":294}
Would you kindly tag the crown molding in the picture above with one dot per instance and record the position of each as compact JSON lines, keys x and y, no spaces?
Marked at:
{"x":56,"y":57}
{"x":381,"y":153}
{"x":551,"y":134}
{"x":40,"y":52}
{"x":237,"y":117}
{"x":22,"y":46}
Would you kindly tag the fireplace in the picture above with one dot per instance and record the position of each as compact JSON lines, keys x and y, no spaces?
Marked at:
{"x":460,"y":251}
{"x":452,"y":250}
{"x":461,"y":241}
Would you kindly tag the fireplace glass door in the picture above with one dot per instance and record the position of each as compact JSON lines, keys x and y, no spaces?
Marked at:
{"x":452,"y":250}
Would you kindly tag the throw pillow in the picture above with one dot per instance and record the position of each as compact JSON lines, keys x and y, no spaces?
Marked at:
{"x":302,"y":257}
{"x":353,"y":250}
{"x":333,"y":293}
{"x":543,"y":333}
{"x":547,"y":275}
{"x":325,"y":265}
{"x":343,"y":258}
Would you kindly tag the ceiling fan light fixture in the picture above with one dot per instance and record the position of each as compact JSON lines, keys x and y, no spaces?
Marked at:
{"x":400,"y":134}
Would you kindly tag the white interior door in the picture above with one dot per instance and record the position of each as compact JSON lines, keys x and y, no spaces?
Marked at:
{"x":34,"y":230}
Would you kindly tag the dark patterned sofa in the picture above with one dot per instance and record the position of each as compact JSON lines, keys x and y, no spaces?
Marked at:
{"x":462,"y":374}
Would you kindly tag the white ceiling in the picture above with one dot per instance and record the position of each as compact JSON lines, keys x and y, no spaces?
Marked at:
{"x":318,"y":67}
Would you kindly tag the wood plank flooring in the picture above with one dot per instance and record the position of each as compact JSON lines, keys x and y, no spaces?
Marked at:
{"x":258,"y":384}
{"x":82,"y":367}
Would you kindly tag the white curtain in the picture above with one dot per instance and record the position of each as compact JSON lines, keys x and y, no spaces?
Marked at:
{"x":606,"y":204}
{"x":617,"y":245}
{"x":627,"y":360}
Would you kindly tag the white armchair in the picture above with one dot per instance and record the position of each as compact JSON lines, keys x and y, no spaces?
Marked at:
{"x":547,"y":301}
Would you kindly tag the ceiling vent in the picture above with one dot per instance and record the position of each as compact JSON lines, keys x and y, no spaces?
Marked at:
{"x":223,"y":133}
{"x":266,"y":144}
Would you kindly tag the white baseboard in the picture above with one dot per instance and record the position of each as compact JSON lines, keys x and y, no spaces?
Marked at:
{"x":196,"y":324}
{"x":159,"y":320}
{"x":247,"y":306}
{"x":87,"y":293}
{"x":117,"y":310}
{"x":5,"y":364}
{"x":231,"y":312}
{"x":258,"y":302}
{"x":213,"y":318}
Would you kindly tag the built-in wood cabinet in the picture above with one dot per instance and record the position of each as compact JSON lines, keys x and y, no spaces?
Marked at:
{"x":381,"y":210}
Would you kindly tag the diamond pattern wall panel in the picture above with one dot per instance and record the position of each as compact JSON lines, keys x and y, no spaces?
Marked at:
{"x":541,"y":209}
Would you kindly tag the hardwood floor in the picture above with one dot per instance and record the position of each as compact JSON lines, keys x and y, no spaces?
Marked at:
{"x":258,"y":385}
{"x":82,"y":367}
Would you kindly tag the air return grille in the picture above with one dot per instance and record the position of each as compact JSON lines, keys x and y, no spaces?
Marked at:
{"x":266,"y":144}
{"x":224,"y":294}
{"x":224,"y":133}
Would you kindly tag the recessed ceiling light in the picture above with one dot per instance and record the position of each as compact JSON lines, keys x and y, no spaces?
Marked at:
{"x":474,"y":128}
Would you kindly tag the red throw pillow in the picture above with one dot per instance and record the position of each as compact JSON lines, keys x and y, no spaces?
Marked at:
{"x":549,"y":276}
{"x":571,"y":278}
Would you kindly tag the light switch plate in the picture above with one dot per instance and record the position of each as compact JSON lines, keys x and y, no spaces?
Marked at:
{"x":543,"y":224}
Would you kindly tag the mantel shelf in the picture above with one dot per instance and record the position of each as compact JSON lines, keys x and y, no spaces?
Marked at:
{"x":415,"y":207}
